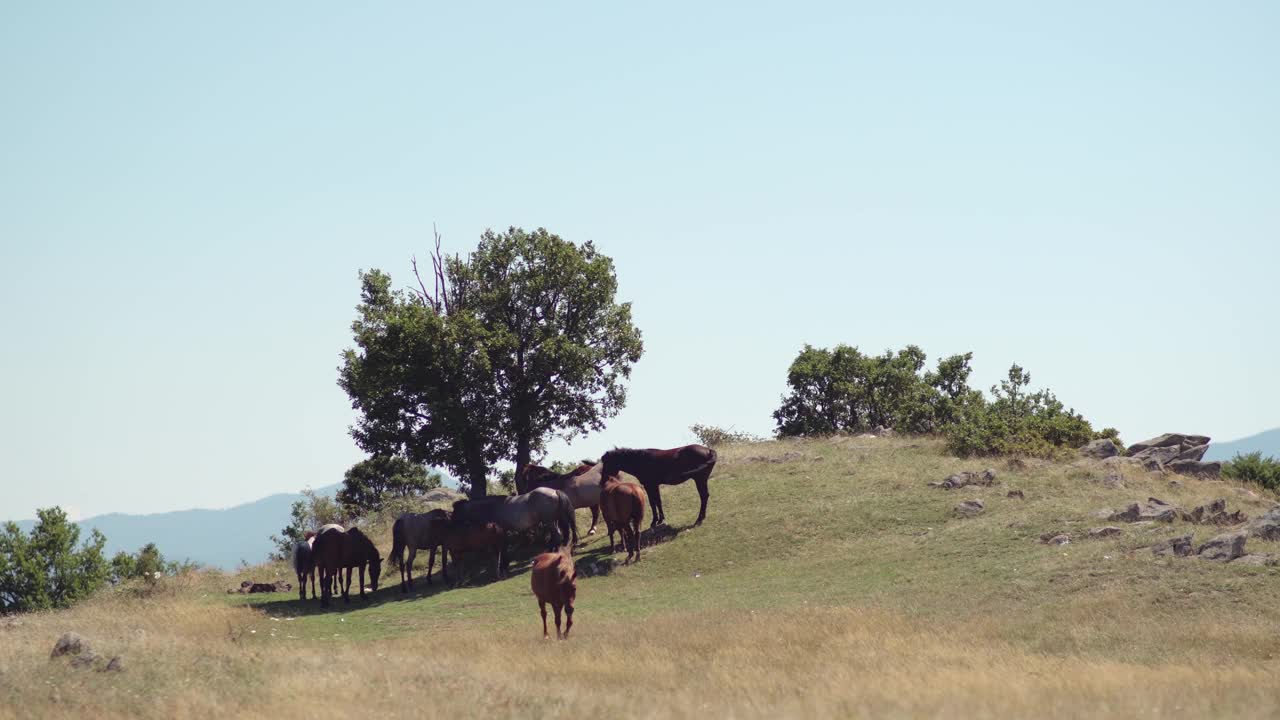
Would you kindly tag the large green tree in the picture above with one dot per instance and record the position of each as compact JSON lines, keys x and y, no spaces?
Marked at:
{"x":46,"y":569}
{"x":368,"y":481}
{"x":520,"y":341}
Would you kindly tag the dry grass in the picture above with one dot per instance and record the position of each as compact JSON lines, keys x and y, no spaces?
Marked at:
{"x":832,"y":587}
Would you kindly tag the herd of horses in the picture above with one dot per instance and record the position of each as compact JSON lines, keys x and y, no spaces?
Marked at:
{"x":543,"y":498}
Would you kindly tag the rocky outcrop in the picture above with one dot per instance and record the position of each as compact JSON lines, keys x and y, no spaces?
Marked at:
{"x":1162,"y":451}
{"x":1153,"y":509}
{"x":69,"y":644}
{"x":986,"y":478}
{"x":1258,"y":559}
{"x":1223,"y":548}
{"x":1215,"y":513}
{"x":1016,"y":494}
{"x":1101,"y":449}
{"x":1195,"y":468}
{"x":1266,"y":526}
{"x":970,"y":508}
{"x":1055,"y":539}
{"x":1101,"y":532}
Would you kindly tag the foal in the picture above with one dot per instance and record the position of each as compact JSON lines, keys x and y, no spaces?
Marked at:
{"x":622,"y":505}
{"x":554,"y":581}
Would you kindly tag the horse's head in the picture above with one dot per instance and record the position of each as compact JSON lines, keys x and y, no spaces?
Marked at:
{"x":608,"y":465}
{"x":375,"y":570}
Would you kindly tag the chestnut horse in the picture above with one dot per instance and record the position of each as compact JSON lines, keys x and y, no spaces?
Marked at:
{"x":334,"y":551}
{"x":554,"y":581}
{"x":623,"y":507}
{"x":462,"y":539}
{"x":663,"y":467}
{"x":419,"y":531}
{"x":582,"y":485}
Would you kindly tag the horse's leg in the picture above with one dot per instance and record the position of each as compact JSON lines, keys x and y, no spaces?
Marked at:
{"x":654,"y":492}
{"x":556,"y":606}
{"x":703,"y":494}
{"x":595,"y":517}
{"x":568,"y":619}
{"x":362,"y":597}
{"x":542,"y":607}
{"x":609,"y":526}
{"x":406,"y":570}
{"x":346,"y":586}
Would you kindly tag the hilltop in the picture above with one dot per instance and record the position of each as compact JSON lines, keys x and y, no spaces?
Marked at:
{"x":1267,"y":443}
{"x":830,"y":579}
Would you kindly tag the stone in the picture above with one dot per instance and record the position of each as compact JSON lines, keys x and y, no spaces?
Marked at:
{"x":83,"y":660}
{"x":1178,"y":546}
{"x":986,"y":478}
{"x":1159,"y":510}
{"x":1194,"y":453}
{"x":1223,"y":548}
{"x":1100,"y":449}
{"x":1215,"y":513}
{"x":116,"y":664}
{"x":1016,"y":494}
{"x":970,"y":508}
{"x":1195,"y":468}
{"x":1101,"y":532}
{"x":1168,"y":440}
{"x":1258,"y":559}
{"x":1129,"y":514}
{"x":69,"y":644}
{"x":1112,"y":480}
{"x":1055,"y":538}
{"x":1158,"y":456}
{"x":1266,"y":526}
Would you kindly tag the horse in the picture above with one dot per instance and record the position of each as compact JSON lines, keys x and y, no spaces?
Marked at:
{"x":333,"y":589}
{"x":419,"y":531}
{"x":582,"y":485}
{"x":554,"y":581}
{"x":663,"y":467}
{"x":514,"y":513}
{"x":461,"y":540}
{"x":304,"y":566}
{"x":623,"y":508}
{"x":335,"y":551}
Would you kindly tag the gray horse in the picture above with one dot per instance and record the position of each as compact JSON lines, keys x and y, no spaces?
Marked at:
{"x":304,"y":566}
{"x":516,"y":513}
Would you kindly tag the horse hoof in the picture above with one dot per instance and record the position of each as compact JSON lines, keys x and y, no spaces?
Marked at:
{"x":592,"y":531}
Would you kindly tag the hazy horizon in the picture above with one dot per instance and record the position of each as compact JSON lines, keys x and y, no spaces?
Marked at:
{"x":187,"y":196}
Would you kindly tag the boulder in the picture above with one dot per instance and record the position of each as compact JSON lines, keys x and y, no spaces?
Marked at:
{"x":1215,"y":513}
{"x":1194,"y":468}
{"x":1156,"y":456}
{"x":84,"y":660}
{"x":986,"y":478}
{"x":1223,"y":548}
{"x":1195,"y":453}
{"x":1266,"y":526}
{"x":970,"y":508}
{"x":1016,"y":494}
{"x":1055,"y":539}
{"x":1177,"y":440}
{"x":1258,"y":559}
{"x":69,"y":644}
{"x":1129,"y":514}
{"x":1100,"y":449}
{"x":1158,"y":510}
{"x":116,"y":664}
{"x":1101,"y":532}
{"x":1178,"y":547}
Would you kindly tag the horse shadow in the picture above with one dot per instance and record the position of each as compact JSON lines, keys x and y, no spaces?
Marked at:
{"x":385,"y":594}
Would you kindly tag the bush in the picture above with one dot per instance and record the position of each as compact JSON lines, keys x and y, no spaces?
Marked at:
{"x":309,"y":513}
{"x":713,"y":436}
{"x":1017,"y":422}
{"x":49,"y":568}
{"x":843,"y":391}
{"x":1253,"y":467}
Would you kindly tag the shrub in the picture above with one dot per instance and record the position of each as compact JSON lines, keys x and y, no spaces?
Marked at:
{"x":713,"y":436}
{"x":309,"y":513}
{"x":49,"y":568}
{"x":1018,"y":422}
{"x":843,"y":391}
{"x":1253,"y":467}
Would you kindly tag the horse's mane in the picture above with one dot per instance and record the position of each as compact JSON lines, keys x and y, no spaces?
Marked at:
{"x":626,"y":454}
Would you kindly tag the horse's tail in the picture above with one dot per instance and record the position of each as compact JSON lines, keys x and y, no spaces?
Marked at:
{"x":710,"y":462}
{"x":398,"y":542}
{"x":566,"y":519}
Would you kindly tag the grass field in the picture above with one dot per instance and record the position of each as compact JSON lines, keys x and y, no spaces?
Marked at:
{"x":829,"y":580}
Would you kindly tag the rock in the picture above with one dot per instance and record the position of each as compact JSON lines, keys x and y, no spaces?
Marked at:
{"x":1112,"y":480}
{"x":1156,"y":456}
{"x":83,"y":660}
{"x":442,"y":495}
{"x":1016,"y":494}
{"x":1178,"y":546}
{"x":970,"y":508}
{"x":1159,"y":510}
{"x":1174,"y":484}
{"x":250,"y":587}
{"x":1016,"y":464}
{"x":1223,"y":548}
{"x":1101,"y":532}
{"x":1055,"y":538}
{"x":1129,"y":514}
{"x":1266,"y":526}
{"x":1100,"y":449}
{"x":1194,"y":454}
{"x":1259,"y":559}
{"x":1215,"y":513}
{"x":986,"y":478}
{"x":1195,"y":468}
{"x":1177,"y":440}
{"x":69,"y":644}
{"x":115,"y":665}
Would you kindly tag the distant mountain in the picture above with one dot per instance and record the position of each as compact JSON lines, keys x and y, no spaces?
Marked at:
{"x":1267,"y":443}
{"x":217,"y":538}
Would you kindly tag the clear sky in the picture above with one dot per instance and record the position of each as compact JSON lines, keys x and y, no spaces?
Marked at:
{"x":187,"y":192}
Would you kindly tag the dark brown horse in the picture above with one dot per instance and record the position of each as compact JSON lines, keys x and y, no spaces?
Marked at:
{"x":335,"y":551}
{"x":623,"y":507}
{"x":663,"y":467}
{"x":462,"y":539}
{"x":578,"y":484}
{"x":554,"y":580}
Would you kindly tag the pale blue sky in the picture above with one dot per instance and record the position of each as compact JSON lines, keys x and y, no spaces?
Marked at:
{"x":187,"y":194}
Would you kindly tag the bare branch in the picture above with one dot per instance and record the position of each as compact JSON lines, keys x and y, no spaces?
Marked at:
{"x":421,"y":290}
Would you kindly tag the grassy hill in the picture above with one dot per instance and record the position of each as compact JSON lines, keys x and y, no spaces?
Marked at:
{"x":828,"y":580}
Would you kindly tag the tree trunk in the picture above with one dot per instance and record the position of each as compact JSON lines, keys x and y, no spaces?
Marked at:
{"x":522,"y":453}
{"x":477,"y":474}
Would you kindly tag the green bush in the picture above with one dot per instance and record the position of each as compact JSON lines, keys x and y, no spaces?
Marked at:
{"x":843,"y":391}
{"x":713,"y":436}
{"x":1253,"y":467}
{"x":1018,"y":422}
{"x":49,"y":568}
